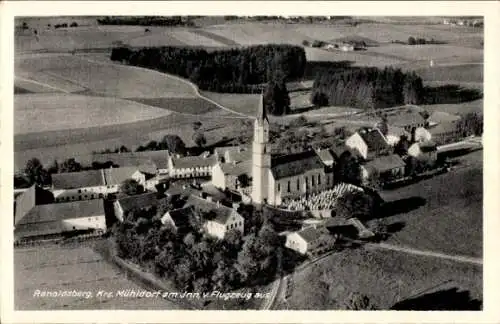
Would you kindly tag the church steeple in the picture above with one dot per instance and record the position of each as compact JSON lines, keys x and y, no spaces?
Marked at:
{"x":261,"y":112}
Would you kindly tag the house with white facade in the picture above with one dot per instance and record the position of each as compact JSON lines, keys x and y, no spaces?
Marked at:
{"x":126,"y":204}
{"x":179,"y":219}
{"x":221,"y":219}
{"x":49,"y":220}
{"x":191,"y":166}
{"x":369,"y":143}
{"x":233,"y":176}
{"x":92,"y":184}
{"x":307,"y":240}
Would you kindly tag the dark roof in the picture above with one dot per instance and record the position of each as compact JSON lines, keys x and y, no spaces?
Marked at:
{"x":72,"y":180}
{"x":193,"y":161}
{"x":144,"y":200}
{"x":373,"y":139}
{"x":222,"y":213}
{"x":62,"y":211}
{"x":310,"y":233}
{"x":115,"y":176}
{"x":405,"y":118}
{"x":47,"y":219}
{"x":24,"y":203}
{"x":181,"y":217}
{"x":385,"y":163}
{"x":147,"y":161}
{"x":237,"y":169}
{"x":428,"y":146}
{"x":289,"y":165}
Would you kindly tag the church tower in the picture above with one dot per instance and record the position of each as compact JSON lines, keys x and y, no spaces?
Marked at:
{"x":261,"y":156}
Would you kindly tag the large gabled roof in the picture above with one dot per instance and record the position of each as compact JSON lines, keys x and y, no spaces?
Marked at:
{"x":187,"y":162}
{"x":374,"y":139}
{"x":115,"y":176}
{"x":73,"y":180}
{"x":385,"y":163}
{"x":289,"y":165}
{"x":144,"y":200}
{"x":181,"y":217}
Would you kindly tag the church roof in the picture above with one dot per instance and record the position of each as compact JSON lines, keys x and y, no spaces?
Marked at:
{"x":290,"y":165}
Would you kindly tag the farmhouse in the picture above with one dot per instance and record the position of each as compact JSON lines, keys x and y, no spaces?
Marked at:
{"x":407,"y":119}
{"x":191,"y":166}
{"x":92,"y":184}
{"x":232,"y":176}
{"x":221,"y":219}
{"x":50,"y":220}
{"x":369,"y":143}
{"x":30,"y":198}
{"x":326,"y":157}
{"x":444,"y":133}
{"x":231,"y":154}
{"x":148,"y":162}
{"x":387,"y":167}
{"x":394,"y":134}
{"x":178,"y":219}
{"x":306,"y":240}
{"x":127,"y":204}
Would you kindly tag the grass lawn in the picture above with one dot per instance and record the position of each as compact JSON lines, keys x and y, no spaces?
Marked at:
{"x":458,"y":73}
{"x":53,"y":268}
{"x":356,"y":58}
{"x":386,"y":277}
{"x":49,"y":112}
{"x":451,"y":221}
{"x":438,"y":53}
{"x":461,"y":108}
{"x":195,"y":106}
{"x":242,"y":103}
{"x":101,"y":78}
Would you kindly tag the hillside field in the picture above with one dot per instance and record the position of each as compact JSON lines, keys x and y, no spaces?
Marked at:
{"x":48,"y":112}
{"x":56,"y":268}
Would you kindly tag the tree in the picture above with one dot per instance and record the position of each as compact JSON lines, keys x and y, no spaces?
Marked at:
{"x":36,"y":173}
{"x":355,"y":204}
{"x":276,"y":98}
{"x":53,"y":168}
{"x":174,"y":144}
{"x":348,"y":169}
{"x":412,"y":40}
{"x":401,"y":147}
{"x":70,"y":165}
{"x":358,"y":301}
{"x":131,"y":187}
{"x":199,"y":139}
{"x":306,"y":43}
{"x":197,"y":125}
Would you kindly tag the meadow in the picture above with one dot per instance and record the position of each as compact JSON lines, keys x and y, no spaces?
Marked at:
{"x":451,"y":219}
{"x":386,"y":277}
{"x":83,"y":73}
{"x":51,"y":112}
{"x":53,"y":268}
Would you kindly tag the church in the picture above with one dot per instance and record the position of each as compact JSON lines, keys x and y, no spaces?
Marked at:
{"x":275,"y":178}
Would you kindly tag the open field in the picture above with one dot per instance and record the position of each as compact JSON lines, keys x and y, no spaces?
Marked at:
{"x":451,"y":220}
{"x":386,"y":277}
{"x":243,"y":103}
{"x":461,"y":108}
{"x":356,"y":58}
{"x":53,"y":268}
{"x":195,"y":106}
{"x":98,"y":77}
{"x":48,"y":112}
{"x":438,"y":53}
{"x":455,"y":73}
{"x":247,"y":33}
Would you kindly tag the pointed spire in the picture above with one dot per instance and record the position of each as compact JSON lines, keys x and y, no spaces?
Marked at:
{"x":261,"y":112}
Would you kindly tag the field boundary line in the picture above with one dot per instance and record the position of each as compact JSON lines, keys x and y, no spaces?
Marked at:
{"x":192,"y":85}
{"x":42,"y":84}
{"x":409,"y":250}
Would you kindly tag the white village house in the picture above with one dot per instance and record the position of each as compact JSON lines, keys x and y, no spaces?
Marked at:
{"x":92,"y":184}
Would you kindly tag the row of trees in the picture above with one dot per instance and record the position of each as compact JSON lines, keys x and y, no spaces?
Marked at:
{"x":146,"y":21}
{"x":241,"y":70}
{"x":196,"y":262}
{"x":367,"y":88}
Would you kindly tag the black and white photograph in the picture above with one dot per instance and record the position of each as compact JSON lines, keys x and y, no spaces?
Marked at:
{"x":248,"y":162}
